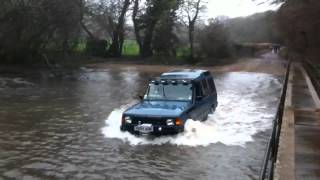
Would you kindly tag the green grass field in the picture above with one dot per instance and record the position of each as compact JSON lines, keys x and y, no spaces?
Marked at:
{"x":131,"y":48}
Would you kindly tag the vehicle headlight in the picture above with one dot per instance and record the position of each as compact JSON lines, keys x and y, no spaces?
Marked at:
{"x":128,"y":119}
{"x":170,"y":122}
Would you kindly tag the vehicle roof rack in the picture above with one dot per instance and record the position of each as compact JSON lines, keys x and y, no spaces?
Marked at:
{"x":170,"y":81}
{"x":184,"y":74}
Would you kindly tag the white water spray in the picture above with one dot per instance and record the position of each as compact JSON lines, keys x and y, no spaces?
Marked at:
{"x":238,"y":117}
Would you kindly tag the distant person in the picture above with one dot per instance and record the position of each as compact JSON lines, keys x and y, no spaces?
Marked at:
{"x":276,"y":48}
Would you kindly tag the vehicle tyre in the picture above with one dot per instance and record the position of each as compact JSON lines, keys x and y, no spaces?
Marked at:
{"x":213,"y":109}
{"x":205,"y":117}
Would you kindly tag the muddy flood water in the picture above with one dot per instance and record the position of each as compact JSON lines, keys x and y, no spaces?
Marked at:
{"x":68,"y":128}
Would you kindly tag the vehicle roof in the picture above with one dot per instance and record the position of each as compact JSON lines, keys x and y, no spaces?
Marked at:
{"x":183,"y":74}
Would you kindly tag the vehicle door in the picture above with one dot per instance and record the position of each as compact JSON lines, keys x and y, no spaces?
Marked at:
{"x":200,"y":105}
{"x":208,"y":97}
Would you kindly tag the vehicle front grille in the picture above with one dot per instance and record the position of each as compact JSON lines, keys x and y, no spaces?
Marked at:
{"x":149,"y":120}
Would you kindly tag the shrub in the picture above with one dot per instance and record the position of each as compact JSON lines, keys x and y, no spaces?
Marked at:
{"x":214,"y":41}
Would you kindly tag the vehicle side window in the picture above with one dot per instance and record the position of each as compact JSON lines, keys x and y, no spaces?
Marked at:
{"x":205,"y":87}
{"x":199,"y":91}
{"x":211,"y":85}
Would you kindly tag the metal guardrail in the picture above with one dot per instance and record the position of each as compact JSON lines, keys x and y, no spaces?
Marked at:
{"x":272,"y":147}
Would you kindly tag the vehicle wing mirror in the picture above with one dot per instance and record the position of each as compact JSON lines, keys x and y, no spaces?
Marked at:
{"x":140,"y":97}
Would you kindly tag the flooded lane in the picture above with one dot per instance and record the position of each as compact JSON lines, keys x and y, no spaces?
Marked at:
{"x":68,"y":129}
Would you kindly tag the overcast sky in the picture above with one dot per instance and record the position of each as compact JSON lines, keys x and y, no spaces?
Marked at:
{"x":235,"y":8}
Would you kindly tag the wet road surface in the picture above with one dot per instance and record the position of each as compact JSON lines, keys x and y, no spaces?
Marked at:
{"x":68,"y":128}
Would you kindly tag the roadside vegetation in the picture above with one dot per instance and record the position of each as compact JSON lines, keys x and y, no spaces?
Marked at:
{"x":299,"y":22}
{"x":172,"y":31}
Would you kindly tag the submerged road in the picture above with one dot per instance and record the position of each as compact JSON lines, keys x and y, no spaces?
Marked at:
{"x":68,"y":127}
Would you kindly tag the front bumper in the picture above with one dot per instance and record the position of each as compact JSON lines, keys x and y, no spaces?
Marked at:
{"x":157,"y":129}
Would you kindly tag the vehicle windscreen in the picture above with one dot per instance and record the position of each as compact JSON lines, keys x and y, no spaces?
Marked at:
{"x":179,"y":92}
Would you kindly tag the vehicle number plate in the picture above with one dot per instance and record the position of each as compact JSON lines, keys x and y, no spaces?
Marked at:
{"x":144,"y":128}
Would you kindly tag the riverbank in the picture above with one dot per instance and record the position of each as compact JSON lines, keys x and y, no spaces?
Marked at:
{"x":268,"y":63}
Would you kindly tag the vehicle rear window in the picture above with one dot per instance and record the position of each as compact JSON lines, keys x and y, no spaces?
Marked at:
{"x":205,"y":87}
{"x":211,"y":85}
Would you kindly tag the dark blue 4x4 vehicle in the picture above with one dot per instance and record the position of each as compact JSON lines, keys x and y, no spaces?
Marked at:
{"x":170,"y":100}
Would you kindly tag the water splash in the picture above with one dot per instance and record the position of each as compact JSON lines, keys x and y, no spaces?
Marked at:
{"x":14,"y":82}
{"x":233,"y":123}
{"x":239,"y":116}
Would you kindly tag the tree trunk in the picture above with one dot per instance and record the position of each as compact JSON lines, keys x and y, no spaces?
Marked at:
{"x":136,"y":24}
{"x":81,"y":14}
{"x":121,"y":42}
{"x":115,"y":49}
{"x":192,"y":22}
{"x":84,"y":27}
{"x":191,"y":40}
{"x":146,"y":50}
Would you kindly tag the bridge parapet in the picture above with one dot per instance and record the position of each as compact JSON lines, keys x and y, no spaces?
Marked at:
{"x":294,"y":147}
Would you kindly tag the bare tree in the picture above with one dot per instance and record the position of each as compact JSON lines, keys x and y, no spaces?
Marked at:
{"x":189,"y":16}
{"x":81,"y":4}
{"x":145,"y":22}
{"x":118,"y":30}
{"x":150,"y":18}
{"x":214,"y":40}
{"x":56,"y":22}
{"x":99,"y":18}
{"x":104,"y":20}
{"x":136,"y":23}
